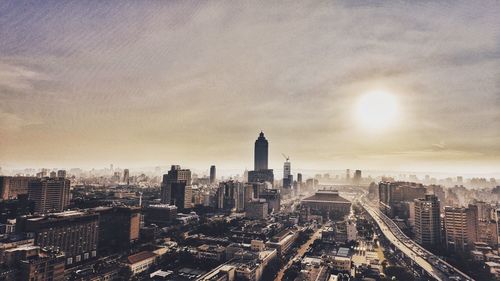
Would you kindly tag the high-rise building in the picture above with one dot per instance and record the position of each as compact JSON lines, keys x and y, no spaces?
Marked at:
{"x":11,"y":187}
{"x":287,"y":175}
{"x":212,"y":174}
{"x":118,"y":227}
{"x":126,"y":176}
{"x":299,"y":179}
{"x":347,"y":175}
{"x":53,"y":174}
{"x":176,"y":188}
{"x":427,"y":221}
{"x":231,"y":195}
{"x":357,"y":177}
{"x":272,"y":197}
{"x":261,"y":176}
{"x":257,"y":209}
{"x":61,"y":173}
{"x":261,"y":153}
{"x":392,"y":195}
{"x":73,"y":232}
{"x":49,"y":194}
{"x":461,"y":226}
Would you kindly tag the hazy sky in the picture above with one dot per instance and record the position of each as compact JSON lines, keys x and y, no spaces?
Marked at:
{"x":139,"y":83}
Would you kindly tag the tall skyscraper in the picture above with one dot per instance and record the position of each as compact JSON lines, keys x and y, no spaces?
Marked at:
{"x":49,"y":194}
{"x":357,"y":177}
{"x":287,"y":174}
{"x":347,"y":175}
{"x":427,"y":221}
{"x":126,"y":176}
{"x":261,"y":153}
{"x":212,"y":174}
{"x":461,"y":226}
{"x":261,"y":173}
{"x":176,"y":188}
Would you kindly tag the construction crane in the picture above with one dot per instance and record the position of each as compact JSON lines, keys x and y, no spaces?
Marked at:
{"x":287,"y":158}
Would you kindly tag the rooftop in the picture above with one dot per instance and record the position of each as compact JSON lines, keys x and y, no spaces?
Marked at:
{"x":326,"y":196}
{"x":140,"y":257}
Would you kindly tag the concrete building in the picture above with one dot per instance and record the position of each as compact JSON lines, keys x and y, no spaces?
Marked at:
{"x":11,"y":187}
{"x":261,"y":153}
{"x":283,"y":240}
{"x":141,"y":261}
{"x":176,"y":188}
{"x":272,"y":197}
{"x":34,"y":263}
{"x":118,"y":227}
{"x":73,"y":232}
{"x":61,"y":174}
{"x":212,"y":174}
{"x":427,"y":221}
{"x":257,"y":209}
{"x":231,"y":195}
{"x":461,"y":226}
{"x":328,"y":201}
{"x":392,"y":196}
{"x":160,"y":214}
{"x":49,"y":194}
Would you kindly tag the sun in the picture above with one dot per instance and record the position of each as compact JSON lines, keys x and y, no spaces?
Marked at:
{"x":377,"y":110}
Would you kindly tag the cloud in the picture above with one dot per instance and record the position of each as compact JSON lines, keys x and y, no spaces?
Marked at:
{"x":176,"y":78}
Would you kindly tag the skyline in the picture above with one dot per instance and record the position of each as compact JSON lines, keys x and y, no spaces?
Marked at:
{"x":144,"y":84}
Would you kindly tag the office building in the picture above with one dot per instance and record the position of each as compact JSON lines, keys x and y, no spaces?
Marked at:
{"x":392,"y":195}
{"x":272,"y":197}
{"x":261,"y":176}
{"x":49,"y":194}
{"x":427,"y":221}
{"x":73,"y":232}
{"x":11,"y":187}
{"x":357,"y":177}
{"x":118,"y":227}
{"x":34,"y":263}
{"x":160,"y":214}
{"x":287,"y":175}
{"x":261,"y":153}
{"x":126,"y":176}
{"x":176,"y":188}
{"x":461,"y":226}
{"x":257,"y":209}
{"x":232,"y":195}
{"x":61,"y":173}
{"x":213,"y":174}
{"x":11,"y":209}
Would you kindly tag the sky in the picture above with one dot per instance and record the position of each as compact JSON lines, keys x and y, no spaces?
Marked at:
{"x":145,"y":83}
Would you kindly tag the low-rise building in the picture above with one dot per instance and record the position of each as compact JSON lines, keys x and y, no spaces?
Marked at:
{"x":141,"y":261}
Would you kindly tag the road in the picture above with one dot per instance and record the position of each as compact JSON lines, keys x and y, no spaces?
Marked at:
{"x":410,"y":248}
{"x":300,"y":252}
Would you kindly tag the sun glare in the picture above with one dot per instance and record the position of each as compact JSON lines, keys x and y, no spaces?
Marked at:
{"x":377,"y":110}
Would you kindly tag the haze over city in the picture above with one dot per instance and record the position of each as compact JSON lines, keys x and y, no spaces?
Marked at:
{"x":384,"y":86}
{"x":249,"y":140}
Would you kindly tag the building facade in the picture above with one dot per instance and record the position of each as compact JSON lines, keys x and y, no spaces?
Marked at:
{"x":49,"y":194}
{"x":427,"y":221}
{"x":176,"y":188}
{"x":73,"y":232}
